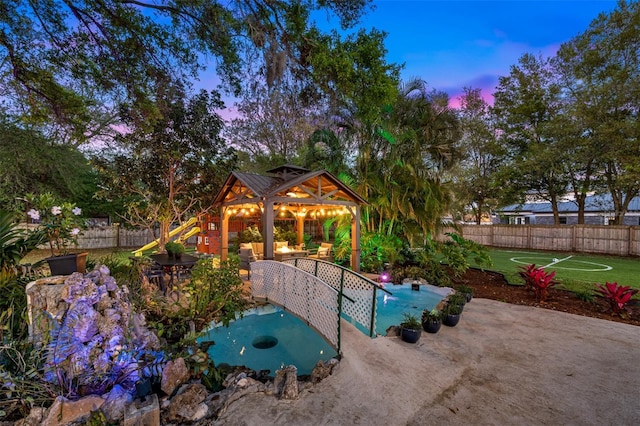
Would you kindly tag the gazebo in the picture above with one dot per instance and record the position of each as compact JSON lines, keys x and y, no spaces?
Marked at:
{"x":292,"y":189}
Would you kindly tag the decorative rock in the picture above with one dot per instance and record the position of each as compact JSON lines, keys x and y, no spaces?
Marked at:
{"x":393,"y":331}
{"x":43,"y":305}
{"x":174,"y":374}
{"x":286,"y":382}
{"x":187,"y":405}
{"x":200,"y":413}
{"x":322,"y":370}
{"x":143,"y":413}
{"x":64,"y":411}
{"x":116,"y":403}
{"x":35,"y":417}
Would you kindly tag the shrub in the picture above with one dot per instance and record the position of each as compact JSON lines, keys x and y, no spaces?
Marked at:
{"x":538,"y":280}
{"x":432,"y":315}
{"x":617,"y":296}
{"x":174,"y":247}
{"x":410,"y":321}
{"x":215,"y":290}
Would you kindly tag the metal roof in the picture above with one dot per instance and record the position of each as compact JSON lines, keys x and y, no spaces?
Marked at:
{"x":593,"y":204}
{"x":263,"y":186}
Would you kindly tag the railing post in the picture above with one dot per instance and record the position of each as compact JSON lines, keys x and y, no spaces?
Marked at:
{"x":373,"y":313}
{"x":339,"y":311}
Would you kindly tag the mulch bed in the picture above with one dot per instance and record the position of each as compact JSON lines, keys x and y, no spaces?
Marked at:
{"x":493,"y":285}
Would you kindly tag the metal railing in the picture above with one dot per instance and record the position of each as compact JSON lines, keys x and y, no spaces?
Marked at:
{"x":359,"y":291}
{"x":300,"y":293}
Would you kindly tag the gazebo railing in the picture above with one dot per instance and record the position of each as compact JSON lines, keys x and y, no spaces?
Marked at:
{"x":360,"y":292}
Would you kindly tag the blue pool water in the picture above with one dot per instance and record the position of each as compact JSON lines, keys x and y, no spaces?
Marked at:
{"x":268,"y":338}
{"x":391,"y":307}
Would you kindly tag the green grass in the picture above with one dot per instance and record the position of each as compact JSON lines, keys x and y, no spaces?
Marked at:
{"x":38,"y":255}
{"x":123,"y":254}
{"x":576,"y":272}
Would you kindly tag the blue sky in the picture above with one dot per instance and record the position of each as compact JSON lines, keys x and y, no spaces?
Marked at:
{"x":452,"y":44}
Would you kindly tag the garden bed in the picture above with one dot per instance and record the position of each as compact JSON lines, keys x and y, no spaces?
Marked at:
{"x":493,"y":285}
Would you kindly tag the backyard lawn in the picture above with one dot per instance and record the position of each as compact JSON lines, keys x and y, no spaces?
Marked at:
{"x":574,"y":271}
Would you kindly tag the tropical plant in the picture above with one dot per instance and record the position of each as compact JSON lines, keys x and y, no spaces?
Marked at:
{"x":61,"y":222}
{"x":431,"y":315}
{"x":538,"y":280}
{"x":410,"y":321}
{"x":215,"y":291}
{"x":250,"y":234}
{"x":466,"y":290}
{"x":15,"y":242}
{"x":21,"y":387}
{"x":452,"y":308}
{"x":617,"y":296}
{"x":457,"y":298}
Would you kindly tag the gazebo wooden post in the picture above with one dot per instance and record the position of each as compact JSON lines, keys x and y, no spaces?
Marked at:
{"x":355,"y":239}
{"x":224,"y":234}
{"x":267,"y":229}
{"x":300,"y":225}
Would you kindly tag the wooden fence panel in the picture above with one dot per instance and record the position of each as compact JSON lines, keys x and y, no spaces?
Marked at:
{"x":602,"y":239}
{"x":480,"y":234}
{"x":551,"y":238}
{"x":634,"y":241}
{"x":511,"y":236}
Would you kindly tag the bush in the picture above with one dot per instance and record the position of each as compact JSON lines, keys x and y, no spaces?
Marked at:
{"x":215,"y":291}
{"x":617,"y":296}
{"x":538,"y":280}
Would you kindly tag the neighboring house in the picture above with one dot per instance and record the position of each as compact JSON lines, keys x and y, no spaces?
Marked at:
{"x":598,"y":211}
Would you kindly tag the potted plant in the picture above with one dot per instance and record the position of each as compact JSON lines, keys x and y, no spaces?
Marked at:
{"x":174,"y":249}
{"x":61,"y":223}
{"x":457,"y":298}
{"x":466,"y":290}
{"x":431,"y":320}
{"x":451,"y":313}
{"x":410,"y":328}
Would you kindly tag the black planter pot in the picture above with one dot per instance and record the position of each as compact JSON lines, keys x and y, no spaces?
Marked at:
{"x":451,"y":320}
{"x":431,"y":326}
{"x":410,"y":335}
{"x":67,"y":264}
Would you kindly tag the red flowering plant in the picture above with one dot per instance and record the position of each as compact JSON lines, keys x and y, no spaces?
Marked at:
{"x":617,"y":295}
{"x":538,"y":280}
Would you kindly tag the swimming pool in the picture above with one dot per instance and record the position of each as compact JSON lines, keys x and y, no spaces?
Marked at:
{"x":268,"y":338}
{"x":389,"y":308}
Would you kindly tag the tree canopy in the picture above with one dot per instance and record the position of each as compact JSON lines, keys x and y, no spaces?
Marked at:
{"x":76,"y":61}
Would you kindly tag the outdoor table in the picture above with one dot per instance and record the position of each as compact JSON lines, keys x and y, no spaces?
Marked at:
{"x":174,"y":265}
{"x":280,"y":256}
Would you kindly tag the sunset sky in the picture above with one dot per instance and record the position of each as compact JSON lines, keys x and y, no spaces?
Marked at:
{"x":454,"y":44}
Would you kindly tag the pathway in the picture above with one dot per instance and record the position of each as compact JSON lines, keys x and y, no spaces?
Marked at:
{"x":502,"y":364}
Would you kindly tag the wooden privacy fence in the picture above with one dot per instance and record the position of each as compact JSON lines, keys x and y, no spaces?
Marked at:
{"x":603,"y":239}
{"x":114,"y":236}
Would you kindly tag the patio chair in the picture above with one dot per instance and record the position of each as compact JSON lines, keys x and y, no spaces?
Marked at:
{"x":246,"y":257}
{"x":324,"y":252}
{"x":155,"y":274}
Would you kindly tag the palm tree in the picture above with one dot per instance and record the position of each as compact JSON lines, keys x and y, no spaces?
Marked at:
{"x":403,"y":180}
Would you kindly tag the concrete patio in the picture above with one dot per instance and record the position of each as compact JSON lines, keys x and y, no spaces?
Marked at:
{"x":503,"y":364}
